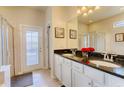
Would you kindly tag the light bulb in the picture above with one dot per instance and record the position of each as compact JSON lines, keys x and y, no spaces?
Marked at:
{"x":90,"y":11}
{"x":78,"y":11}
{"x":83,"y":8}
{"x":97,"y":7}
{"x":85,"y":14}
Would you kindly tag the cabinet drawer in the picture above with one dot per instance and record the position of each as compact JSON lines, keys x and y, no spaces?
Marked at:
{"x":95,"y":74}
{"x":60,"y":59}
{"x":95,"y":84}
{"x":77,"y":66}
{"x":67,"y":62}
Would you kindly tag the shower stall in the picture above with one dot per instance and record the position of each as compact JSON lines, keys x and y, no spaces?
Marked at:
{"x":6,"y":44}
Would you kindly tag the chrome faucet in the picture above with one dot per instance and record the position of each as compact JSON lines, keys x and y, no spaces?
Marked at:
{"x":107,"y":58}
{"x":74,"y":51}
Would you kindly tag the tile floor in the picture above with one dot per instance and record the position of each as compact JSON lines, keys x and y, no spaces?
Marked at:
{"x":41,"y":78}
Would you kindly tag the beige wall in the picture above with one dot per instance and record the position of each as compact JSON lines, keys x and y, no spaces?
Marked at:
{"x":17,"y":16}
{"x":106,"y":26}
{"x":60,"y":18}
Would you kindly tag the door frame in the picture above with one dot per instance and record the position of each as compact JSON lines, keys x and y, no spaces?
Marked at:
{"x":1,"y":59}
{"x":23,"y":58}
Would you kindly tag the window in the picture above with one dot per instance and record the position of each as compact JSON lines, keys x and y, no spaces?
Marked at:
{"x":118,"y":24}
{"x":86,"y":40}
{"x":32,"y":47}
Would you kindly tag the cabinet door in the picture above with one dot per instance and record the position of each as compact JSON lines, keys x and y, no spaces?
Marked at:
{"x":80,"y":80}
{"x":113,"y":81}
{"x":96,"y":75}
{"x":58,"y":67}
{"x":56,"y":60}
{"x":96,"y":84}
{"x":66,"y":73}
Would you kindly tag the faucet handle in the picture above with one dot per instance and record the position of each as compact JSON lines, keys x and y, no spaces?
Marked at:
{"x":112,"y":55}
{"x":74,"y":51}
{"x":102,"y":53}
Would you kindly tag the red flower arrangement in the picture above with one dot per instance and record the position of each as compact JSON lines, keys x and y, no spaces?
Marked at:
{"x":90,"y":49}
{"x":85,"y":52}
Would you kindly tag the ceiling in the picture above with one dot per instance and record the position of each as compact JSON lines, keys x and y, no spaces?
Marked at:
{"x":103,"y":13}
{"x":40,"y":8}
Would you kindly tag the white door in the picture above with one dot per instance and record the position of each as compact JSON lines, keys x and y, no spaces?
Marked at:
{"x":32,"y":48}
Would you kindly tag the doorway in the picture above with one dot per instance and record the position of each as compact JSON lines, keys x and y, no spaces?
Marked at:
{"x":32,"y":46}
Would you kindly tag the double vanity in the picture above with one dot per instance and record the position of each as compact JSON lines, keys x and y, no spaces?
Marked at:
{"x":72,"y":72}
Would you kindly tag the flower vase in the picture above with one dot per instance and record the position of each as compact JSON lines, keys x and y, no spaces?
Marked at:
{"x":85,"y":54}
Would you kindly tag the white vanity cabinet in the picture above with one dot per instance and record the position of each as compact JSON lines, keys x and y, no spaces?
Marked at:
{"x":78,"y":78}
{"x":113,"y":81}
{"x":66,"y":72}
{"x":58,"y":67}
{"x":74,"y":74}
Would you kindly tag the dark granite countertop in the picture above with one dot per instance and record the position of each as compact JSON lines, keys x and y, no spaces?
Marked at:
{"x":119,"y":71}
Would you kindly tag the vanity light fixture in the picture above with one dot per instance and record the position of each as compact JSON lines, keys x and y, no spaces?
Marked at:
{"x":85,"y":10}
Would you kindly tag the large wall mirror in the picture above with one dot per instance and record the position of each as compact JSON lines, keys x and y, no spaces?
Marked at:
{"x":93,"y":39}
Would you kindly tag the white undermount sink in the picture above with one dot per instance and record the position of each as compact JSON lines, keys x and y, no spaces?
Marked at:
{"x":104,"y":63}
{"x":69,"y":55}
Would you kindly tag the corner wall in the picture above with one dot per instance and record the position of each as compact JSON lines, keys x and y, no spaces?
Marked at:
{"x":17,"y":16}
